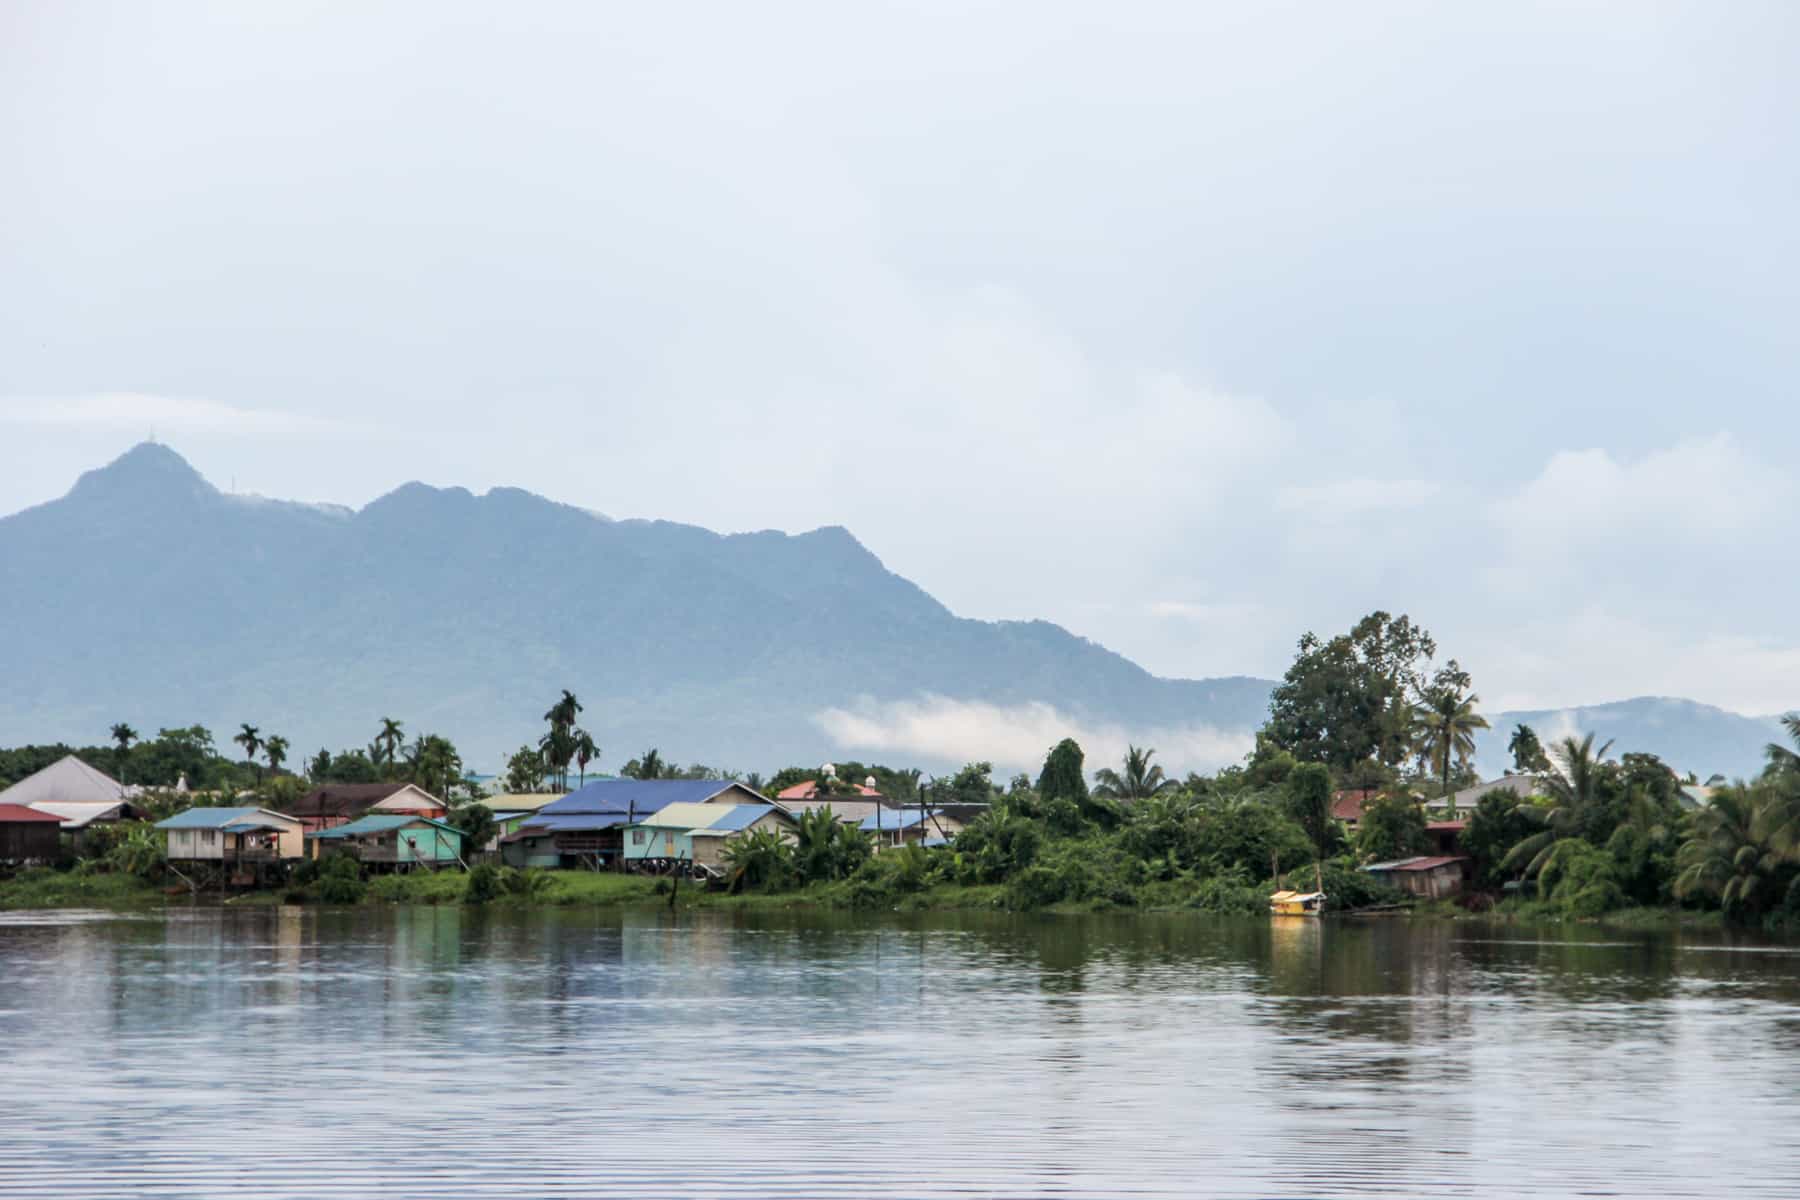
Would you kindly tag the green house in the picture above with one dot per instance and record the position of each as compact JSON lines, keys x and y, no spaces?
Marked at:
{"x":400,"y":839}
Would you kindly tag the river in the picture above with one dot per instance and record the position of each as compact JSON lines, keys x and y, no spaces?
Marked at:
{"x":447,"y":1052}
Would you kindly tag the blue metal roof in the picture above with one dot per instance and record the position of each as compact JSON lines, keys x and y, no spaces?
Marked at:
{"x":892,"y":818}
{"x":573,"y":822}
{"x":638,"y":797}
{"x":207,"y":818}
{"x":738,"y":817}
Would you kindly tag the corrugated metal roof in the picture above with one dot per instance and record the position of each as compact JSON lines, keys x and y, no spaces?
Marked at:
{"x":893,"y":818}
{"x":804,"y":791}
{"x":640,"y":797}
{"x":219,"y":818}
{"x":14,"y":814}
{"x":1422,"y":863}
{"x":66,"y":779}
{"x":738,"y":817}
{"x":380,"y":823}
{"x":571,"y":823}
{"x":79,"y":815}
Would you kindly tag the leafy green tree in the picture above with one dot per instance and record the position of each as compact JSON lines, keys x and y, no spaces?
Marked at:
{"x":1575,"y":794}
{"x":1138,"y":781}
{"x":1309,"y":804}
{"x":352,"y":766}
{"x":1580,"y":879}
{"x":433,"y":763}
{"x":1350,"y":698}
{"x":525,"y":770}
{"x":1062,"y":775}
{"x":1448,"y":722}
{"x":1527,"y":752}
{"x":1781,"y":758}
{"x":825,"y":848}
{"x":973,"y":784}
{"x":1736,"y":852}
{"x":1391,"y":827}
{"x":319,"y":769}
{"x":648,"y":765}
{"x":478,"y":827}
{"x":1499,"y":821}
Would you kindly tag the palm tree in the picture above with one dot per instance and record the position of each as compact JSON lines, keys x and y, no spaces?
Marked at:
{"x":1139,"y":781}
{"x":275,"y":750}
{"x":387,"y":743}
{"x":1448,"y":722}
{"x":1780,"y":757}
{"x":1527,"y":751}
{"x":1574,"y":788}
{"x":251,"y":741}
{"x":1735,"y":851}
{"x":124,"y":735}
{"x":586,"y":751}
{"x":649,"y":766}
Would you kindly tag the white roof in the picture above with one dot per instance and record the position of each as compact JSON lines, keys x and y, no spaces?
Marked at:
{"x":76,"y":814}
{"x":68,"y":779}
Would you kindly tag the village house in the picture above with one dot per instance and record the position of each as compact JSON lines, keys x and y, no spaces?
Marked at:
{"x":585,"y":828}
{"x":849,"y":807}
{"x":1516,"y":786}
{"x":511,"y":810}
{"x":27,"y":835}
{"x":890,"y":828}
{"x":1430,"y":877}
{"x":333,"y":804}
{"x":80,"y":796}
{"x":698,"y":833}
{"x":392,"y":839}
{"x":233,"y":836}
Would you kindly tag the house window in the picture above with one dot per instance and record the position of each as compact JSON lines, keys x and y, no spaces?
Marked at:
{"x":210,"y":837}
{"x":637,"y":837}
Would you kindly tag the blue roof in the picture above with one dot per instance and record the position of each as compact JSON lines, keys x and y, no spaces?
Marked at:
{"x":572,"y":822}
{"x":741,"y":816}
{"x":208,"y":818}
{"x":893,"y":818}
{"x":380,"y":823}
{"x":636,"y":797}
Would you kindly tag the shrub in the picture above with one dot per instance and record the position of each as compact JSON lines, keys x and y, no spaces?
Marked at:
{"x":484,"y":885}
{"x":1580,"y":880}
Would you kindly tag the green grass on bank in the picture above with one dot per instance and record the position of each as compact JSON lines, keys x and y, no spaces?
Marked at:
{"x":43,"y":887}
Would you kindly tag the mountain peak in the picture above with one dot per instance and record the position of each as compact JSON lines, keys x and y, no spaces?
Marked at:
{"x":147,"y":469}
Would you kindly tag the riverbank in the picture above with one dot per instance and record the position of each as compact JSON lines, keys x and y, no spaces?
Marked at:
{"x":49,"y":889}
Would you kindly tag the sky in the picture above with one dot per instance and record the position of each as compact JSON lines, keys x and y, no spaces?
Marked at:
{"x":1189,"y":327}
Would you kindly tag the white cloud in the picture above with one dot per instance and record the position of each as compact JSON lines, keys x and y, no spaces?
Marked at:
{"x":1347,"y":499}
{"x":1016,"y":737}
{"x":140,"y":413}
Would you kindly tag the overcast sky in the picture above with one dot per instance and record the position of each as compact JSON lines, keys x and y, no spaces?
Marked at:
{"x":1187,"y":327}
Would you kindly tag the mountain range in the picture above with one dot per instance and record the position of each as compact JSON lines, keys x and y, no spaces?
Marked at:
{"x":147,"y":595}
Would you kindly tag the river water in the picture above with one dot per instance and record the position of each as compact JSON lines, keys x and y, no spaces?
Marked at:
{"x":444,"y":1052}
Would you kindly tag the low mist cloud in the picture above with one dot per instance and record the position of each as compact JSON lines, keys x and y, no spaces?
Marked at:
{"x":1016,"y":737}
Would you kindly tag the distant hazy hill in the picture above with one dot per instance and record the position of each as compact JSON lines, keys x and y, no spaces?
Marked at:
{"x":147,"y":595}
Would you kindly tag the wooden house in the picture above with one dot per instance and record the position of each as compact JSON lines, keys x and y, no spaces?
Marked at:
{"x":893,"y":827}
{"x":28,"y":836}
{"x":233,"y":836}
{"x":586,"y":827}
{"x":698,"y":833}
{"x":392,"y":839}
{"x":68,"y":780}
{"x":1430,"y":877}
{"x":334,"y":804}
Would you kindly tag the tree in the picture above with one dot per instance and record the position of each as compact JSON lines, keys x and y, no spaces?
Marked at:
{"x":1391,"y":827}
{"x":1527,"y":752}
{"x":1574,"y":795}
{"x":559,"y":745}
{"x":319,"y":769}
{"x":275,"y":750}
{"x":1062,"y":776}
{"x":825,"y":848}
{"x":1448,"y":721}
{"x":1138,"y":781}
{"x":249,"y":738}
{"x":525,"y":770}
{"x":586,"y":751}
{"x":478,"y":827}
{"x":433,"y":763}
{"x":124,"y":735}
{"x":386,"y":746}
{"x":647,"y":766}
{"x":1734,"y":853}
{"x":1309,"y":804}
{"x":1349,"y":699}
{"x":759,"y":860}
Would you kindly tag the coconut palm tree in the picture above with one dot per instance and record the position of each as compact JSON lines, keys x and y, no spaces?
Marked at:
{"x":387,"y":744}
{"x":1447,"y":723}
{"x":586,"y":751}
{"x":1574,"y":788}
{"x":275,"y":750}
{"x":1527,"y":751}
{"x":1780,"y":757}
{"x":124,"y":735}
{"x":251,"y":740}
{"x":1138,"y":781}
{"x":1735,"y":850}
{"x":648,"y":766}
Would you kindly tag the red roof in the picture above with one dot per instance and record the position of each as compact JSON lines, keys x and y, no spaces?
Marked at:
{"x":1446,"y":826}
{"x":805,"y":791}
{"x":1428,"y":864}
{"x":10,"y":813}
{"x":1348,"y":805}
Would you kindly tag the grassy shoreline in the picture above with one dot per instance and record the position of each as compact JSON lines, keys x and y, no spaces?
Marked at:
{"x":47,"y":889}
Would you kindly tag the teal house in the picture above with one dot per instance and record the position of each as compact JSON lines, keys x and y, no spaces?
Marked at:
{"x":397,"y":839}
{"x":698,"y":833}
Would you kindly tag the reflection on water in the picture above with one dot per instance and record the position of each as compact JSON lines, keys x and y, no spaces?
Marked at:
{"x":446,"y":1052}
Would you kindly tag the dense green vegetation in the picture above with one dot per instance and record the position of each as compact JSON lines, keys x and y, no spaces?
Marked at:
{"x":1364,"y":713}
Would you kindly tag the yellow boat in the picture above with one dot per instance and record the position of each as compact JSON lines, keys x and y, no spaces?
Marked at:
{"x":1297,"y":904}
